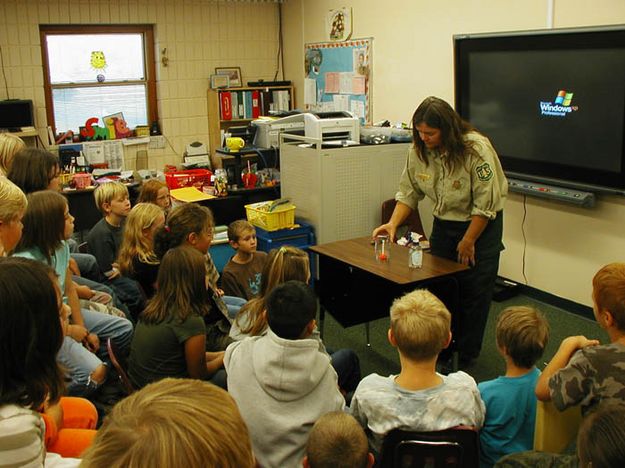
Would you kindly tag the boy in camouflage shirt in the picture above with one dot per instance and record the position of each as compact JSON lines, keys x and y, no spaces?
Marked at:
{"x":583,"y":372}
{"x":418,"y":399}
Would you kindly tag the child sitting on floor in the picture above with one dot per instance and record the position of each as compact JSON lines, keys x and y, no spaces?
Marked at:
{"x":418,"y":399}
{"x":337,"y":441}
{"x":156,"y":192}
{"x":170,"y":337}
{"x":173,"y":423}
{"x":34,"y":417}
{"x":281,"y":381}
{"x":137,"y":259}
{"x":242,"y":274}
{"x":522,"y":334}
{"x":192,"y":225}
{"x":583,"y":372}
{"x":47,"y":226}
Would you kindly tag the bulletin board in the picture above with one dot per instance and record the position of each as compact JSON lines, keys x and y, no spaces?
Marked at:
{"x":338,"y":77}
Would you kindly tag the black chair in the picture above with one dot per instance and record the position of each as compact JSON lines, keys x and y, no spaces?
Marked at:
{"x":411,"y":224}
{"x":456,"y":447}
{"x":121,"y":372}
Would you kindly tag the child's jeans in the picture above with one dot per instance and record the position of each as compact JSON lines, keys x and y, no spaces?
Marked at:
{"x":233,"y":304}
{"x":79,"y":362}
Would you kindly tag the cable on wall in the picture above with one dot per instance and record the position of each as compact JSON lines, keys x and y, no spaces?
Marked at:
{"x":4,"y":75}
{"x":524,"y":238}
{"x":280,"y":55}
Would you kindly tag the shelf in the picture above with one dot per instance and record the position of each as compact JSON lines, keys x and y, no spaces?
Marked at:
{"x":26,"y":134}
{"x":266,"y":101}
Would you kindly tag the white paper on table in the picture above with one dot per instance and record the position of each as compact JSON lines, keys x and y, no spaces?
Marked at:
{"x":341,"y":102}
{"x":310,"y":91}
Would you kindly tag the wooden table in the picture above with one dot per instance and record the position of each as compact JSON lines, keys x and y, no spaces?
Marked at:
{"x":355,"y":288}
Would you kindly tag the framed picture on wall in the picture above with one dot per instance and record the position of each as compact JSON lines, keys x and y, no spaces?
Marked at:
{"x":233,"y":74}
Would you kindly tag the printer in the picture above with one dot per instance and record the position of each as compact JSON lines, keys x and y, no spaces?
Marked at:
{"x":269,"y":129}
{"x":326,"y":126}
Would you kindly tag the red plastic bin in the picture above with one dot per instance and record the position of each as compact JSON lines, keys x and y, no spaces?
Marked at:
{"x":190,"y":178}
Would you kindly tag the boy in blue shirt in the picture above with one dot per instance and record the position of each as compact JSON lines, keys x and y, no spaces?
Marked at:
{"x":522,"y":334}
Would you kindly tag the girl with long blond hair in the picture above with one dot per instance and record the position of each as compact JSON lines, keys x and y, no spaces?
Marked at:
{"x":136,"y":258}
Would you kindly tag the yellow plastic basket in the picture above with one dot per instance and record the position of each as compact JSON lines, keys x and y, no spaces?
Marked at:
{"x":281,"y":218}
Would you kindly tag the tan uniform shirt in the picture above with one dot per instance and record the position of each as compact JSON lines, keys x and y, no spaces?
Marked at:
{"x":476,"y":186}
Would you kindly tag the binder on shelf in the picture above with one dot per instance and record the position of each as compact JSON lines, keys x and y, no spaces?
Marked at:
{"x":255,"y":104}
{"x":235,"y":105}
{"x":248,"y":104}
{"x":226,"y":105}
{"x":241,"y":110}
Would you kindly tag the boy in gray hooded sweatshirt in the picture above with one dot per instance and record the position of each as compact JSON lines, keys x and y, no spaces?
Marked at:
{"x":281,"y":382}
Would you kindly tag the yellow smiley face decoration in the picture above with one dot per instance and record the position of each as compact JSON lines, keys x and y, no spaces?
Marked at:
{"x":98,"y":61}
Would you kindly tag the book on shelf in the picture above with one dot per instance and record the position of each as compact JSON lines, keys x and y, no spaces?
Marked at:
{"x":235,"y":105}
{"x":248,"y":104}
{"x":225,"y":98}
{"x":255,"y":104}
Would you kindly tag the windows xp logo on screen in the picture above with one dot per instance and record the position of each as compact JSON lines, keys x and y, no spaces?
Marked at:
{"x":561,"y":105}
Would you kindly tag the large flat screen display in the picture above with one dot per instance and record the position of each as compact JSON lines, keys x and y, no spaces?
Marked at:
{"x":551,"y":102}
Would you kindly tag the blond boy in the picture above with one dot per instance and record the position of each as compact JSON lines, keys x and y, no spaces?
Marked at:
{"x":337,"y":441}
{"x":105,"y":237}
{"x":583,"y":372}
{"x":12,"y":208}
{"x":242,"y":274}
{"x":173,"y":423}
{"x":418,"y":398}
{"x":522,"y":334}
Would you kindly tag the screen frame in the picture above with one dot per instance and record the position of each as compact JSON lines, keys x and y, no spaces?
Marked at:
{"x":25,"y":106}
{"x":561,"y":39}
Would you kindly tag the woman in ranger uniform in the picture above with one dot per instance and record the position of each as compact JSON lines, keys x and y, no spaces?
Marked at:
{"x":458,"y":169}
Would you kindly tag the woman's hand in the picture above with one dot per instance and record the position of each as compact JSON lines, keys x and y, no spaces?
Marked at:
{"x":220,"y":292}
{"x":466,"y":252}
{"x":387,"y":228}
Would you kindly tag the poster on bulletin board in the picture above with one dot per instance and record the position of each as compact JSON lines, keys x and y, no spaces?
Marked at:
{"x":338,"y":77}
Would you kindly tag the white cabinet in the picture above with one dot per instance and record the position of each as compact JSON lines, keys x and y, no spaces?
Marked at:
{"x":340,"y":190}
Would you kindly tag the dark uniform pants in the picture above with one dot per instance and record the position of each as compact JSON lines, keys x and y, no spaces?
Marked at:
{"x":477,"y":284}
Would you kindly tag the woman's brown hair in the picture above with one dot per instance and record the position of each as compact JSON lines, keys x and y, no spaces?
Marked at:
{"x":438,"y":114}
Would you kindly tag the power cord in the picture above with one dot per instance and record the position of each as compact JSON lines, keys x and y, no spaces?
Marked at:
{"x":6,"y":83}
{"x":280,"y":55}
{"x":524,"y":237}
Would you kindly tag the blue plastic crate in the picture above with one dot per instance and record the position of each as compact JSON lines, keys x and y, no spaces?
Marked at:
{"x":300,"y":237}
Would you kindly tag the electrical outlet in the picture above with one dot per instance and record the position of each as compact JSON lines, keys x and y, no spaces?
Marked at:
{"x":157,"y":142}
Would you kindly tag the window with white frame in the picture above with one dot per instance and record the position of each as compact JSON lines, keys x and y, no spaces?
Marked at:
{"x":98,"y":71}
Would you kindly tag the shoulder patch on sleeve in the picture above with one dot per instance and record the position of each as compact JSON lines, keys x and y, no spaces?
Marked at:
{"x":484,"y":172}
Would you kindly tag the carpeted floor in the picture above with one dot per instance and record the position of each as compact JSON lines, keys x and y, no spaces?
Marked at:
{"x":382,"y":358}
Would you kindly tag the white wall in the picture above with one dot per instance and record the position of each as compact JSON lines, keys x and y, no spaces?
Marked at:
{"x":413,"y":58}
{"x":199,"y":35}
